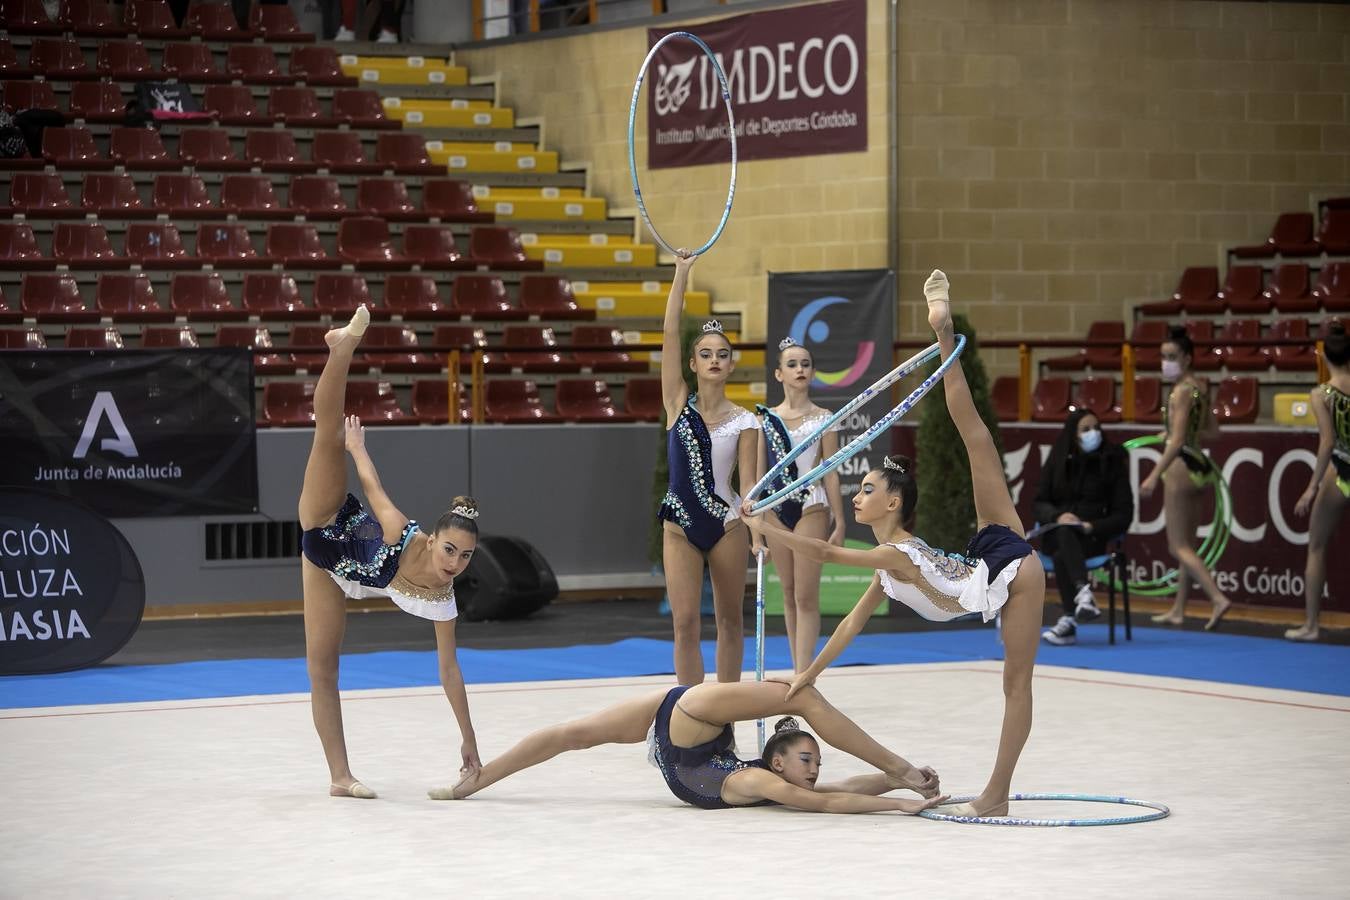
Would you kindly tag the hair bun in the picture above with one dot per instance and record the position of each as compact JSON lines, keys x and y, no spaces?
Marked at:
{"x":464,"y":507}
{"x":787,"y":723}
{"x":1177,"y":331}
{"x":1336,"y":328}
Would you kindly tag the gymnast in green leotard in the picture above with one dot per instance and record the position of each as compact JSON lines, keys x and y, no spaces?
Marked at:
{"x":1328,"y":490}
{"x":1185,"y":472}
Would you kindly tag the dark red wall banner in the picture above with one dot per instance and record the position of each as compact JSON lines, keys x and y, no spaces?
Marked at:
{"x":132,"y":432}
{"x":798,"y":81}
{"x":1266,"y":469}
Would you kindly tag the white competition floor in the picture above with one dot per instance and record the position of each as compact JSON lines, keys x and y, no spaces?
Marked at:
{"x":227,"y":798}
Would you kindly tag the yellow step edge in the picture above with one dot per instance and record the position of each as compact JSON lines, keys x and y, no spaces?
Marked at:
{"x":609,"y":304}
{"x":752,"y":358}
{"x":545,"y":161}
{"x":530,"y":238}
{"x":453,"y":118}
{"x":661,"y":288}
{"x":564,"y":209}
{"x":448,"y":77}
{"x":391,"y":62}
{"x":426,"y":105}
{"x":489,"y":146}
{"x":640,"y":255}
{"x":488,"y":192}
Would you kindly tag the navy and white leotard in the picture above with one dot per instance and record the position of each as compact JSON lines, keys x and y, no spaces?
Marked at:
{"x":353,"y":552}
{"x":951,"y":586}
{"x":778,"y":442}
{"x":695,"y":774}
{"x":699,"y":498}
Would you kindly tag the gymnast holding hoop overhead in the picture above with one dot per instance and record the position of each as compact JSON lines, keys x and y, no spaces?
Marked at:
{"x":1185,"y":471}
{"x":809,"y":510}
{"x":350,"y":551}
{"x":707,"y":437}
{"x":689,"y":732}
{"x":989,"y":580}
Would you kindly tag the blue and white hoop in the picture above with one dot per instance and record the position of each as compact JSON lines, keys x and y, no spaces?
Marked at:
{"x":1158,"y":812}
{"x":856,"y":446}
{"x":632,"y":147}
{"x":759,"y":634}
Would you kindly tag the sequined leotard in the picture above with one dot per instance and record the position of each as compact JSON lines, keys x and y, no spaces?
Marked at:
{"x":695,"y":774}
{"x":353,"y":552}
{"x":951,"y":586}
{"x":779,"y":440}
{"x":699,"y":498}
{"x":1192,"y":456}
{"x":1338,"y":402}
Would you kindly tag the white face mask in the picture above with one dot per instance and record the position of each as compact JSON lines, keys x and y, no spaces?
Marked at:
{"x":1171,"y":369}
{"x":1090,"y":440}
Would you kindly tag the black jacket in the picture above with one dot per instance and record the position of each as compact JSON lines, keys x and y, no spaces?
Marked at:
{"x":1095,"y":487}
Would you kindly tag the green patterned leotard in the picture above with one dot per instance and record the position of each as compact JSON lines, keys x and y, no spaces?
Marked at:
{"x":1338,"y":402}
{"x":1192,"y":456}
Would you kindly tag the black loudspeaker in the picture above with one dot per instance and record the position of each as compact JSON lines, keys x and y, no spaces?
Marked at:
{"x":506,"y":579}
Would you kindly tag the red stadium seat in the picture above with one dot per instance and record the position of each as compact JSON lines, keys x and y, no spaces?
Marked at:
{"x":1050,"y":400}
{"x":1333,"y":287}
{"x":19,"y":248}
{"x":317,"y":196}
{"x":129,"y":297}
{"x":140,"y":149}
{"x":153,"y":19}
{"x":72,"y":148}
{"x":1241,"y":292}
{"x":288,"y":404}
{"x":499,"y":247}
{"x":395,"y":349}
{"x":433,"y":247}
{"x":124,"y":61}
{"x":376,"y":404}
{"x":551,"y":297}
{"x":203,"y":296}
{"x":405,"y":153}
{"x":232,"y":104}
{"x":97,"y":101}
{"x":1148,"y":401}
{"x":1289,"y":291}
{"x":259,"y":340}
{"x":1292,"y":235}
{"x":1237,"y":401}
{"x":112,"y":196}
{"x":319,"y":66}
{"x":642,"y":398}
{"x":1098,"y":394}
{"x":169,"y":337}
{"x":603,"y":360}
{"x":184,"y":196}
{"x":297,"y":244}
{"x":298,"y":106}
{"x":28,"y":17}
{"x":276,"y":22}
{"x":22,"y":339}
{"x":91,"y":18}
{"x":85,"y":245}
{"x":314,"y":352}
{"x":361,"y":109}
{"x":340,"y":152}
{"x":275,"y":151}
{"x":431,"y":402}
{"x":546,"y":359}
{"x":209,"y":150}
{"x":483,"y":297}
{"x":54,"y":298}
{"x":94,"y":338}
{"x":1246,"y":358}
{"x":1003,"y":395}
{"x":515,"y":401}
{"x":1291,"y":357}
{"x":157,"y":245}
{"x":587,"y":400}
{"x":59,"y":59}
{"x":254,"y":64}
{"x":21,"y":95}
{"x":193,"y":63}
{"x":40,"y":195}
{"x":339,"y":294}
{"x":387,"y":198}
{"x":414,"y":297}
{"x":227,"y":245}
{"x":1197,"y":292}
{"x":451,"y":201}
{"x":214,"y":22}
{"x":1334,"y":235}
{"x":251,"y":196}
{"x":272,"y":295}
{"x":365,"y":242}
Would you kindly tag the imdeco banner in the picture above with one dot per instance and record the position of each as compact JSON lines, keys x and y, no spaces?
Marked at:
{"x":132,"y":432}
{"x":797,"y":78}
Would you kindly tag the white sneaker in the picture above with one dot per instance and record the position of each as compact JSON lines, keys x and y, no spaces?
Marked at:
{"x":1085,"y":605}
{"x":386,"y":37}
{"x":1064,"y":633}
{"x":344,"y":34}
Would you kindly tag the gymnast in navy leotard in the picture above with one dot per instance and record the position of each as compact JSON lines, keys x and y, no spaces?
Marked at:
{"x":708,"y":437}
{"x":689,"y":734}
{"x":990,"y":579}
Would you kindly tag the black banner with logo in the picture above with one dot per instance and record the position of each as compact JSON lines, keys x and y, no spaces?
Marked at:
{"x":132,"y":432}
{"x":71,"y":589}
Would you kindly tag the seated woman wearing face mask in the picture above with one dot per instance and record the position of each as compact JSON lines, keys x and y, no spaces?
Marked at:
{"x":1085,"y":487}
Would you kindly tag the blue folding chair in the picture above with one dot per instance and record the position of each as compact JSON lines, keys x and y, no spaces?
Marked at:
{"x":1116,"y":566}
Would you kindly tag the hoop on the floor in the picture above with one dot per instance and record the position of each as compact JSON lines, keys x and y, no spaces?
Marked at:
{"x":1159,"y":812}
{"x":1211,"y":548}
{"x":632,"y":147}
{"x":759,"y":633}
{"x":854,"y":447}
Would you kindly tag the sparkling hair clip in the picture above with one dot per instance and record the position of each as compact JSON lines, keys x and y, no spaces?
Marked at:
{"x":464,"y":512}
{"x":789,"y":723}
{"x":712,"y":325}
{"x":787,"y":342}
{"x":888,"y":463}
